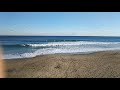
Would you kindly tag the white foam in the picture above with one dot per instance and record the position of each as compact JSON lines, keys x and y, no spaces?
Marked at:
{"x":66,"y":47}
{"x":72,"y":43}
{"x":58,"y":50}
{"x":11,"y":56}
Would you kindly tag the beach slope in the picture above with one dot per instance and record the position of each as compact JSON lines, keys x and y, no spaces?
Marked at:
{"x":94,"y":65}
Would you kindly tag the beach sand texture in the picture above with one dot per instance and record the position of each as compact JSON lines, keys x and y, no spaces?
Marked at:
{"x":95,"y":65}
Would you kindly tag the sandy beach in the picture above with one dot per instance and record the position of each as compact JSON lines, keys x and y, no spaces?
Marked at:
{"x":94,"y":65}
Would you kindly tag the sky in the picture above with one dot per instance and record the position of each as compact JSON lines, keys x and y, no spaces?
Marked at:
{"x":60,"y":23}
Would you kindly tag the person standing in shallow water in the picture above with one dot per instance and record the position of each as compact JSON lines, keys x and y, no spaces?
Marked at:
{"x":2,"y":66}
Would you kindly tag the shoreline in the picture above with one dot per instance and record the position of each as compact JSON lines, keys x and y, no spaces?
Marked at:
{"x":103,"y":64}
{"x":64,"y":54}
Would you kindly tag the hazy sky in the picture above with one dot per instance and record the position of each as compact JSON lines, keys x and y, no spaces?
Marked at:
{"x":60,"y":23}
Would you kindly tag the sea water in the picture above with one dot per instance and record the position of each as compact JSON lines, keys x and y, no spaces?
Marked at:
{"x":31,"y":46}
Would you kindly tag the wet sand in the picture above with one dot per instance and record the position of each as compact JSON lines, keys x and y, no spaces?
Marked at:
{"x":95,"y":65}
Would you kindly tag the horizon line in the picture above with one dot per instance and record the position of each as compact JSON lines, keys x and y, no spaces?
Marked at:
{"x":60,"y":35}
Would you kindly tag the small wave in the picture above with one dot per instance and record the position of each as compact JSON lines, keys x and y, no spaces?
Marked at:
{"x":46,"y":51}
{"x":62,"y":44}
{"x":70,"y":43}
{"x":15,"y":45}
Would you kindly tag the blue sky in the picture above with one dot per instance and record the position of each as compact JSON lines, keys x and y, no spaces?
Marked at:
{"x":60,"y":23}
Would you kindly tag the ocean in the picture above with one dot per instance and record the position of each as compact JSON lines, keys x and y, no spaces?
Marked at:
{"x":31,"y":46}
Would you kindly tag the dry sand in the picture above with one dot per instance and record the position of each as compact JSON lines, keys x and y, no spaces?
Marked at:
{"x":95,"y":65}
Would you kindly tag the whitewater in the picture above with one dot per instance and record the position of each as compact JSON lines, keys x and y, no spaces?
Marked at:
{"x":76,"y":47}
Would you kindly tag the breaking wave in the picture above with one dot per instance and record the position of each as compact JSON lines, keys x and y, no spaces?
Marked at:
{"x":56,"y":51}
{"x":64,"y":47}
{"x":65,"y":44}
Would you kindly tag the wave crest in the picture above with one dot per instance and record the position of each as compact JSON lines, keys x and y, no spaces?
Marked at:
{"x":70,"y":43}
